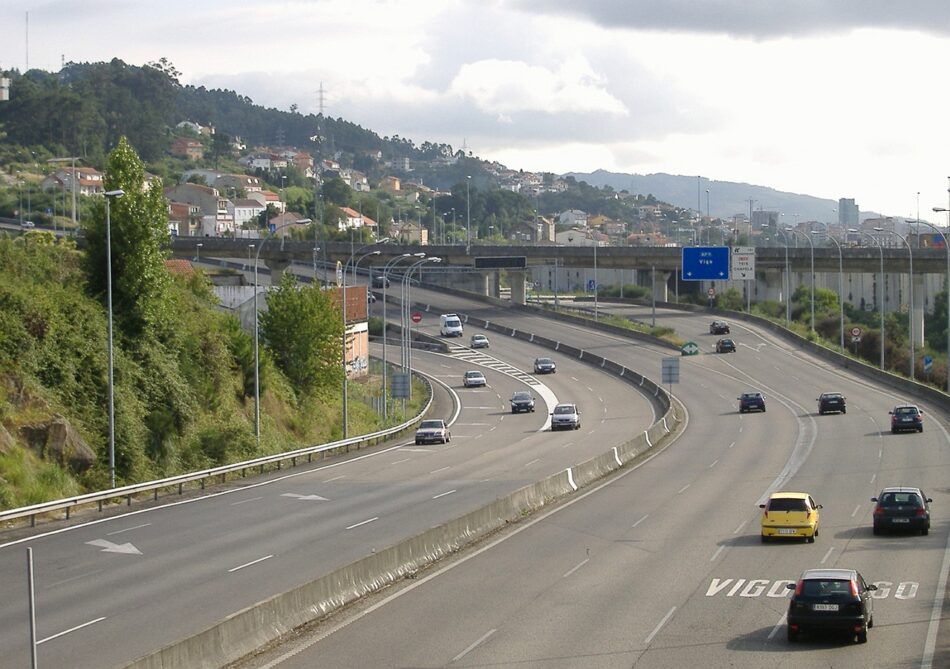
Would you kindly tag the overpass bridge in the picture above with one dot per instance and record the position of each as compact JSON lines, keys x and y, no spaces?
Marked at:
{"x":778,"y":270}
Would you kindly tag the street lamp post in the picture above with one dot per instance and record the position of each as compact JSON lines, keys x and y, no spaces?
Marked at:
{"x":946,"y":247}
{"x":72,"y":181}
{"x":880,"y":246}
{"x":406,"y":323}
{"x":386,"y":267}
{"x":596,"y":285}
{"x":257,"y":366}
{"x":343,"y":310}
{"x":811,"y":248}
{"x":109,"y":195}
{"x":840,"y":287}
{"x":788,"y":280}
{"x":910,"y":310}
{"x":468,"y":215}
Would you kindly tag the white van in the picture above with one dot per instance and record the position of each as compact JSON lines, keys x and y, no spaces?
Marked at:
{"x":450,"y":325}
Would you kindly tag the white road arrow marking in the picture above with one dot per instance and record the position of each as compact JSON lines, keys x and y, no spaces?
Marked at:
{"x":309,"y":498}
{"x":109,"y":547}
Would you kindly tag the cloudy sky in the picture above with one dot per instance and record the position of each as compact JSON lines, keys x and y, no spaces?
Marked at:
{"x":832,"y":98}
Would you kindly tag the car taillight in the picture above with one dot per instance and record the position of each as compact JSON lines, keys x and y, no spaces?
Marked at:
{"x":921,"y":511}
{"x":854,"y":589}
{"x":798,"y":588}
{"x":879,"y":511}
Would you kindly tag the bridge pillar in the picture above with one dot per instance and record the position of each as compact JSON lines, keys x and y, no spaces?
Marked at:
{"x":917,"y":309}
{"x":516,"y":279}
{"x":770,"y":285}
{"x":276,"y":268}
{"x":661,"y":288}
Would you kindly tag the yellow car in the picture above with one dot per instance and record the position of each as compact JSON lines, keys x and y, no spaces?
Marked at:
{"x":790,"y":514}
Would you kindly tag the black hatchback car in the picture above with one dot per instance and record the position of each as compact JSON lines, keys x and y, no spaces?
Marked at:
{"x":902,"y":508}
{"x":522,"y":401}
{"x":751,"y":401}
{"x":719,"y":328}
{"x":725,"y":346}
{"x":906,"y":417}
{"x":828,"y":402}
{"x":837,"y":600}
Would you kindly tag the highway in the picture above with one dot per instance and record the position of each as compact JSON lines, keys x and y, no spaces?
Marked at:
{"x":110,"y":591}
{"x":662,"y":566}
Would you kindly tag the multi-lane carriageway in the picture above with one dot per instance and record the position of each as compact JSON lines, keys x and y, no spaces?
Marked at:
{"x":660,"y":566}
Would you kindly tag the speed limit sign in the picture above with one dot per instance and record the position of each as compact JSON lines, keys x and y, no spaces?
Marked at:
{"x":711,"y":292}
{"x":855,"y":332}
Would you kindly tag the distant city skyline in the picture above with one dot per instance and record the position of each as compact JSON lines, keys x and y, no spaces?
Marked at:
{"x":834,"y":99}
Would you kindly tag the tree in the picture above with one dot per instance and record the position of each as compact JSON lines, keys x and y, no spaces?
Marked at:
{"x":337,"y":191}
{"x":303,"y":329}
{"x":139,"y":239}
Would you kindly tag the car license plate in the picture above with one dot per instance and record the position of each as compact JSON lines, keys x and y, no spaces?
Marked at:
{"x":786,"y":530}
{"x":900,"y":520}
{"x":825,"y":607}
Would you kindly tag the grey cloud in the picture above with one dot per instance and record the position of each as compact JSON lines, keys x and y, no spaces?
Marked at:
{"x":757,"y":19}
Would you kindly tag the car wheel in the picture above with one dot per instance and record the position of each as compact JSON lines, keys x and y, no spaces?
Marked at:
{"x":871,"y":621}
{"x":810,"y":539}
{"x":920,"y":429}
{"x":792,"y":635}
{"x":925,"y":531}
{"x":875,"y":530}
{"x":893,"y":430}
{"x":418,"y":442}
{"x":844,"y":411}
{"x":863,"y":636}
{"x":765,"y":539}
{"x":821,"y":413}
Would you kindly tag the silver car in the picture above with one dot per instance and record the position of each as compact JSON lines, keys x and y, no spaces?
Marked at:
{"x":433,"y":431}
{"x":565,"y":417}
{"x":474,"y":379}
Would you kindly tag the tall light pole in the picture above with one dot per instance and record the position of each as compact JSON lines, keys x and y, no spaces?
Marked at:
{"x":840,"y":286}
{"x":257,"y":365}
{"x":343,"y":310}
{"x":946,"y":247}
{"x":596,"y":285}
{"x":386,"y":267}
{"x":910,"y":311}
{"x":788,"y":280}
{"x":406,"y":323}
{"x":880,"y":246}
{"x":72,"y":181}
{"x":468,"y":215}
{"x":109,"y":195}
{"x":811,"y":248}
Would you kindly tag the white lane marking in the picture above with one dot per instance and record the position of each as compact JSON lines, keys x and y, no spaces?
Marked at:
{"x":399,"y":462}
{"x":248,"y":564}
{"x":485,"y":408}
{"x":473,"y":646}
{"x":778,"y":626}
{"x":880,"y":453}
{"x":714,"y":463}
{"x":926,"y":662}
{"x":71,"y":629}
{"x":856,"y":509}
{"x":716,"y":554}
{"x":827,"y":555}
{"x":528,"y":464}
{"x":683,"y":489}
{"x":335,"y":478}
{"x":245,"y":501}
{"x":443,"y":494}
{"x":640,"y":521}
{"x":658,"y":627}
{"x":440,"y":469}
{"x":128,"y":529}
{"x":873,"y":476}
{"x":574,"y":378}
{"x":732,"y":444}
{"x":576,"y":567}
{"x":363,"y":522}
{"x":741,"y":525}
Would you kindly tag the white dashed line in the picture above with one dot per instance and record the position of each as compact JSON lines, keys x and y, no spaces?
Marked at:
{"x":576,"y":567}
{"x":657,"y":629}
{"x":716,"y":554}
{"x":473,"y":646}
{"x":363,"y":523}
{"x":440,"y":469}
{"x":72,"y":629}
{"x":739,"y":529}
{"x":683,"y":489}
{"x":856,"y":509}
{"x":640,"y":521}
{"x":129,"y":529}
{"x":443,"y":494}
{"x":248,"y":564}
{"x":827,"y":555}
{"x":714,"y":463}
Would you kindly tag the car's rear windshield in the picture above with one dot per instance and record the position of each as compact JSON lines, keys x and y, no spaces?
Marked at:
{"x":785,"y":504}
{"x":905,"y":411}
{"x":751,"y":396}
{"x":824,"y":587}
{"x":900,"y":499}
{"x":832,"y":396}
{"x":430,"y":424}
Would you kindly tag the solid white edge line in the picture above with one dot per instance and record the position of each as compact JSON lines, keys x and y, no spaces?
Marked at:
{"x":474,"y":645}
{"x":657,"y":629}
{"x":926,"y":662}
{"x":72,"y":629}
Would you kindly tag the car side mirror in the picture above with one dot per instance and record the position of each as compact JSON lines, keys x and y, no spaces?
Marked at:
{"x":761,"y":506}
{"x":929,"y":500}
{"x":789,"y":586}
{"x":871,"y":586}
{"x":890,"y":413}
{"x":819,"y":507}
{"x":874,"y":499}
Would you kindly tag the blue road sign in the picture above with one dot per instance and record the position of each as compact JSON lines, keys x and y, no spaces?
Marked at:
{"x":272,"y":227}
{"x":928,"y":363}
{"x":590,"y":286}
{"x":705,"y":263}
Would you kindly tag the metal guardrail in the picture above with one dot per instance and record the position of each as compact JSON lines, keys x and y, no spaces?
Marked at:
{"x":202,"y":476}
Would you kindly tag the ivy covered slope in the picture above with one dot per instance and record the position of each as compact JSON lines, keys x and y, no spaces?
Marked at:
{"x":183,"y":370}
